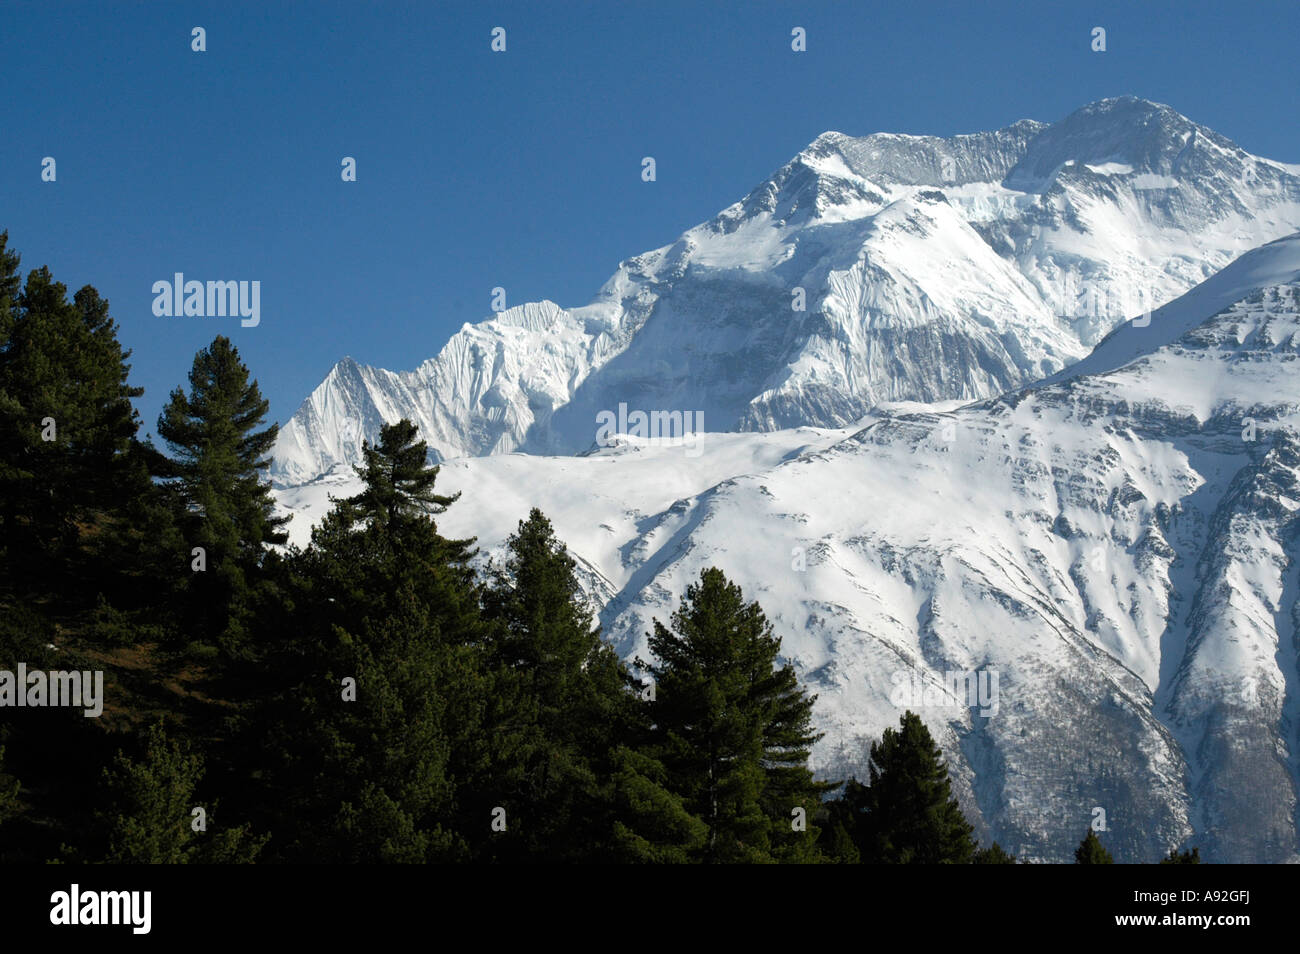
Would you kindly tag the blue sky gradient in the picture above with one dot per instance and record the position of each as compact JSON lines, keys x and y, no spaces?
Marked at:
{"x":519,"y":169}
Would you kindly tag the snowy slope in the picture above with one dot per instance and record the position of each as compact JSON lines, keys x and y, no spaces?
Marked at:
{"x":931,"y":269}
{"x":1118,"y":545}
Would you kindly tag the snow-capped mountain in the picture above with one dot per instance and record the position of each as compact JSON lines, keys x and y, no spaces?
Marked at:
{"x":870,"y":269}
{"x":1117,"y":543}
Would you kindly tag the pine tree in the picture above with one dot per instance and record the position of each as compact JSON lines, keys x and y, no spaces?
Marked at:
{"x":386,"y":753}
{"x":398,"y":481}
{"x":907,"y":814}
{"x":219,"y":457}
{"x":1175,"y":857}
{"x":993,"y":855}
{"x":152,"y":820}
{"x":10,"y":286}
{"x":390,"y":530}
{"x":1091,"y":851}
{"x":68,"y":469}
{"x":545,"y":639}
{"x":375,"y":738}
{"x":13,"y":438}
{"x":836,"y":842}
{"x":733,"y":730}
{"x":652,"y":823}
{"x":371,"y":544}
{"x":545,"y":627}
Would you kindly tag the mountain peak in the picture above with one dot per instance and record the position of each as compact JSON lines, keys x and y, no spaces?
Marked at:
{"x":1125,"y":102}
{"x":1124,"y":133}
{"x":879,"y":268}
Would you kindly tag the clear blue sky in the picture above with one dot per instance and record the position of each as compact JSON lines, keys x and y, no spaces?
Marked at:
{"x":520,"y":169}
